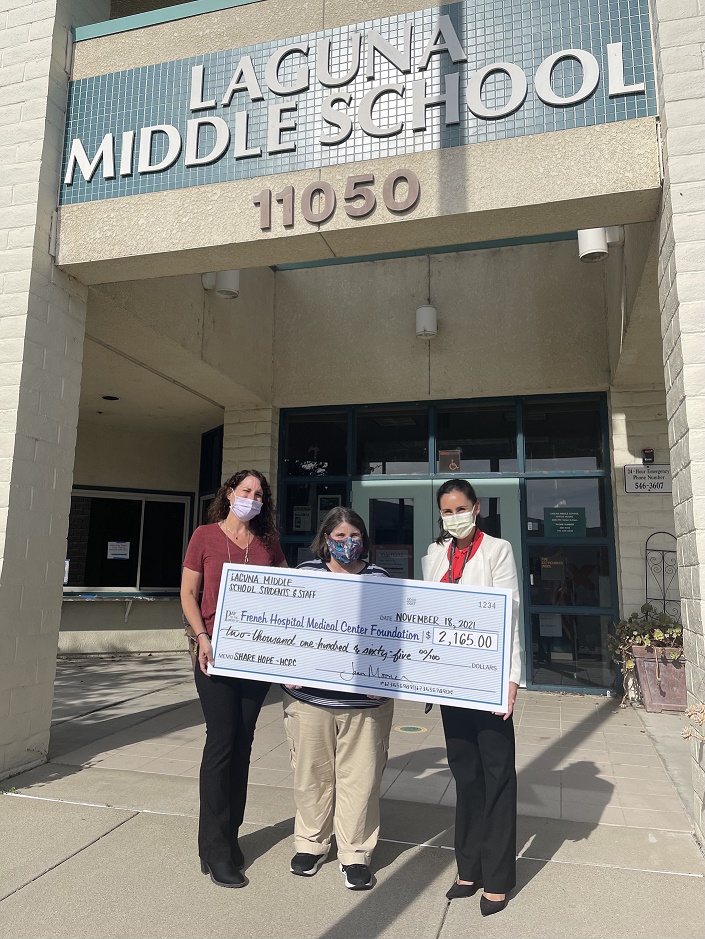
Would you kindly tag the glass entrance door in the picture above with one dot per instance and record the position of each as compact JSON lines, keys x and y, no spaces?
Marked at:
{"x":399,"y":517}
{"x":402,"y":519}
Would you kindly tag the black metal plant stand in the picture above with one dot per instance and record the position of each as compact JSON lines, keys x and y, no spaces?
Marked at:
{"x":662,"y":574}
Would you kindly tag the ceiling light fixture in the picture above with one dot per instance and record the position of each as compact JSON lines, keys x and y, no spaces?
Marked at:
{"x":593,"y":243}
{"x":427,"y":315}
{"x":226,"y":284}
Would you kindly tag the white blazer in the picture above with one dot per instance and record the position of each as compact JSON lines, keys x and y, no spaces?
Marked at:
{"x":492,"y":565}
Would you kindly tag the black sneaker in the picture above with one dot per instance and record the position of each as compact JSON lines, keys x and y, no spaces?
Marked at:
{"x":306,"y":865}
{"x":357,"y":876}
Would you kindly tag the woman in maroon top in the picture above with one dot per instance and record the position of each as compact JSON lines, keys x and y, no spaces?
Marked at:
{"x":242,"y":531}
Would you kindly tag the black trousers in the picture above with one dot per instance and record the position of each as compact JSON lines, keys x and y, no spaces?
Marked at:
{"x":481,"y":756}
{"x":231,"y":707}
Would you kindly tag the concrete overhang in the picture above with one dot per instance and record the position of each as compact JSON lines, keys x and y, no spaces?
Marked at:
{"x":581,"y":178}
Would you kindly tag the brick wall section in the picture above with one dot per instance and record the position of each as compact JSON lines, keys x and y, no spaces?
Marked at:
{"x":638,"y":421}
{"x":679,"y":32}
{"x":42,"y":314}
{"x":250,"y":441}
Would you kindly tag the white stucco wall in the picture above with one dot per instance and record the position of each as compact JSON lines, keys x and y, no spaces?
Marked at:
{"x":521,"y":320}
{"x":134,"y":458}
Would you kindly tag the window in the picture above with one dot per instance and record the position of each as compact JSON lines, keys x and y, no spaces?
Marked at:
{"x":316,"y":445}
{"x":392,"y":535}
{"x":211,"y":460}
{"x":562,"y":435}
{"x":210,"y":470}
{"x":571,"y":650}
{"x":126,"y":541}
{"x":565,"y":507}
{"x":477,"y":439}
{"x":575,"y":575}
{"x":307,"y":504}
{"x":392,"y":442}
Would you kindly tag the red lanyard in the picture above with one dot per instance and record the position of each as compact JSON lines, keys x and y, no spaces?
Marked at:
{"x":469,"y":552}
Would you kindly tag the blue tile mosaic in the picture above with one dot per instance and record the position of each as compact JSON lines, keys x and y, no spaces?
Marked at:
{"x":521,"y":32}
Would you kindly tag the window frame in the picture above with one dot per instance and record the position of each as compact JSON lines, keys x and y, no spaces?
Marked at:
{"x":598,"y":398}
{"x":135,"y":495}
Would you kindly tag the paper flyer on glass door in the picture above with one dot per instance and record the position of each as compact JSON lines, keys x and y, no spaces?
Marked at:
{"x":406,"y":639}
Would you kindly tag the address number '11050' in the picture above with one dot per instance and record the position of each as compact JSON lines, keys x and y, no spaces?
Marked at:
{"x":401,"y":191}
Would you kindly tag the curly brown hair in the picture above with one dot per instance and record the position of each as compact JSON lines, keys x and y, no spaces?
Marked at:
{"x":262,"y":525}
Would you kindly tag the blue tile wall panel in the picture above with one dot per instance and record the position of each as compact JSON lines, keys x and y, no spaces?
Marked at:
{"x":523,"y":32}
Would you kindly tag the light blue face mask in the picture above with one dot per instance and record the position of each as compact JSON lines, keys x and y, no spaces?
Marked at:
{"x":345,"y":552}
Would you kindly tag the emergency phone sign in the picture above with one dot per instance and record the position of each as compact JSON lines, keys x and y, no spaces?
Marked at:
{"x":648,"y":478}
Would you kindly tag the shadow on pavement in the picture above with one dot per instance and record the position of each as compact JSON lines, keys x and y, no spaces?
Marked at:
{"x":405,"y":825}
{"x":390,"y":898}
{"x":91,"y":732}
{"x":544,"y":841}
{"x":92,"y":683}
{"x":255,"y":844}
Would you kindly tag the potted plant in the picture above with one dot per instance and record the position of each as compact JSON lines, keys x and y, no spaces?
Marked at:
{"x":650,"y":644}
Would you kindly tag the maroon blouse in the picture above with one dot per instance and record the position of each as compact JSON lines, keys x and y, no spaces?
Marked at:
{"x":207,"y":552}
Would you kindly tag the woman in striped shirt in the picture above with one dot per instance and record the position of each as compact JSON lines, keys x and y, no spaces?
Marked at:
{"x":338,"y":740}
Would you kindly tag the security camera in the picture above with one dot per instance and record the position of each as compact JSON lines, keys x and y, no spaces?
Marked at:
{"x":593,"y":243}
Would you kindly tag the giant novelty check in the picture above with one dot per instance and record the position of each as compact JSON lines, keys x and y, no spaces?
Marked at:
{"x":373,"y":635}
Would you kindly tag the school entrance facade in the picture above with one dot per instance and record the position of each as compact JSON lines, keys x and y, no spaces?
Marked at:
{"x":362,"y":248}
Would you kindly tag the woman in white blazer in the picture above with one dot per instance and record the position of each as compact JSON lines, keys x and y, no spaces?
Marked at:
{"x":480,"y":744}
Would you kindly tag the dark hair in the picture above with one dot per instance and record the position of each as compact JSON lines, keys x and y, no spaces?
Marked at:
{"x":262,"y":525}
{"x":454,"y":485}
{"x":337,"y":516}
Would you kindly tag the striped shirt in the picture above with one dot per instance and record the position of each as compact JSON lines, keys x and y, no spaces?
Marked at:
{"x":323,"y":697}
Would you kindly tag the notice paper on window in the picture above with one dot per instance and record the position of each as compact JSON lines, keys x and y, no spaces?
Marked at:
{"x":550,"y":625}
{"x":118,"y":550}
{"x":441,"y":643}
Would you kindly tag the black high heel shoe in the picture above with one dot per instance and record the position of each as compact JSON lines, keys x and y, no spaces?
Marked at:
{"x":488,"y":907}
{"x":224,"y":873}
{"x":462,"y":891}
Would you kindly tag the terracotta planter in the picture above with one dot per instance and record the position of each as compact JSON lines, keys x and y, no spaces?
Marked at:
{"x":663,"y":688}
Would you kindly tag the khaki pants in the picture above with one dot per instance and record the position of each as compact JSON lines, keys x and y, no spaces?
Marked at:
{"x":338,"y":756}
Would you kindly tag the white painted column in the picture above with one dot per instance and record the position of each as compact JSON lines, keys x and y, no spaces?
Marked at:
{"x":42,"y":317}
{"x":679,"y":32}
{"x":638,"y":421}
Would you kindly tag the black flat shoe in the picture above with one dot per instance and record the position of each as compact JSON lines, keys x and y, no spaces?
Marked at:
{"x":224,"y":873}
{"x":462,"y":891}
{"x":488,"y":907}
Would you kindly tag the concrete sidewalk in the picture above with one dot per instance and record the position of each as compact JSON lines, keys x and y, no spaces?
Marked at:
{"x":100,"y":842}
